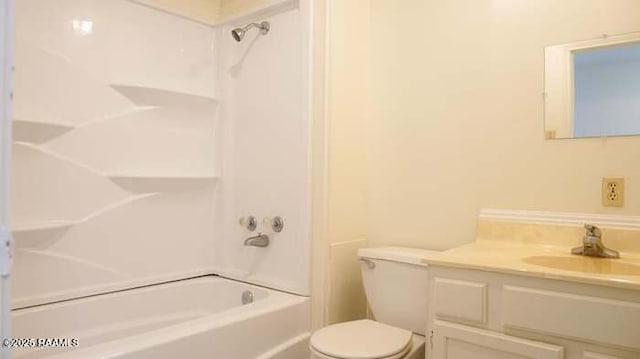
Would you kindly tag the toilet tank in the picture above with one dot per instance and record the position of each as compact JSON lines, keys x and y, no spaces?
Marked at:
{"x":396,"y":284}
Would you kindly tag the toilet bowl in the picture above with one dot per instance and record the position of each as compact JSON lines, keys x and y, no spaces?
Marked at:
{"x":395,"y":282}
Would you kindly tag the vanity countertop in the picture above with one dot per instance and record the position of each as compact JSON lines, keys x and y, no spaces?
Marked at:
{"x":542,"y":261}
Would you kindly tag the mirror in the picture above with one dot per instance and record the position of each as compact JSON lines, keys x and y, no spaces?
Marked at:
{"x":592,"y":88}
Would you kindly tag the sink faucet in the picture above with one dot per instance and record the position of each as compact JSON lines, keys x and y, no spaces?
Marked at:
{"x":592,"y":245}
{"x":261,"y":240}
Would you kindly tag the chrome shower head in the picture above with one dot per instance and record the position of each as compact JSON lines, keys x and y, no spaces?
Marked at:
{"x":238,"y":33}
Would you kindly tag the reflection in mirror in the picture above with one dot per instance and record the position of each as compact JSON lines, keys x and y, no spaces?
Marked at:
{"x":592,"y":88}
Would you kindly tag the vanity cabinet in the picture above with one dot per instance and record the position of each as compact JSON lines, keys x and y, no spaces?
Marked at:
{"x":475,"y":314}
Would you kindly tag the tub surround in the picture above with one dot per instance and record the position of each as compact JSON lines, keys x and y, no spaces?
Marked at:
{"x":112,"y":154}
{"x":114,"y":157}
{"x":543,"y":250}
{"x":130,"y":174}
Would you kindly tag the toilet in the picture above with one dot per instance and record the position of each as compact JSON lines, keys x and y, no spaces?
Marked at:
{"x":395,"y":282}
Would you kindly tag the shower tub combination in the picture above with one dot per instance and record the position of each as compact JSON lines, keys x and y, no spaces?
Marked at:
{"x":196,"y":318}
{"x":148,"y":132}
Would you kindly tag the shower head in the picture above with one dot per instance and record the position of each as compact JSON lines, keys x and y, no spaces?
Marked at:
{"x":238,"y":33}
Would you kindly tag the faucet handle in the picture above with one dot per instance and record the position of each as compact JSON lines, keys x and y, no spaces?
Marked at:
{"x":250,"y":223}
{"x":592,"y":230}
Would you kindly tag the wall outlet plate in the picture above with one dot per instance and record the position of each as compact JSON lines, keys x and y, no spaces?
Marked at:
{"x":613,"y":191}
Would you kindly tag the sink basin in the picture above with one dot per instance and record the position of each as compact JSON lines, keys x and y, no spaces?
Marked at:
{"x":585,"y":264}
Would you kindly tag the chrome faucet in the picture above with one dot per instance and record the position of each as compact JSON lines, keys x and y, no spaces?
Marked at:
{"x":261,"y":240}
{"x":592,"y":245}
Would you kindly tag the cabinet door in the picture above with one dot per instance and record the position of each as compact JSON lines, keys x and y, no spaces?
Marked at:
{"x":453,"y":341}
{"x":590,"y":355}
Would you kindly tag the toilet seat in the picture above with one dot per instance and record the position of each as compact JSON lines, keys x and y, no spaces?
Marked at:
{"x":361,"y":339}
{"x":318,"y":355}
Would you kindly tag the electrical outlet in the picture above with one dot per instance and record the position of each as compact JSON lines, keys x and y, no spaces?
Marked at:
{"x":613,"y":191}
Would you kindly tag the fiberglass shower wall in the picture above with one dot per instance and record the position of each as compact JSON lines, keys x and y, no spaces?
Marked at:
{"x":114,"y":164}
{"x":266,"y":151}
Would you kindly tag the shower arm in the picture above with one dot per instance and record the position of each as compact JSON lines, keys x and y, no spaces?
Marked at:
{"x":260,"y":26}
{"x":263,"y":27}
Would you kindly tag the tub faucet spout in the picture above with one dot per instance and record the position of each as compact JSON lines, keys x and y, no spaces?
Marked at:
{"x":261,"y":240}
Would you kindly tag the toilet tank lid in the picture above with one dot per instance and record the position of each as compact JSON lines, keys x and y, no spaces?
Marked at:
{"x":396,"y":254}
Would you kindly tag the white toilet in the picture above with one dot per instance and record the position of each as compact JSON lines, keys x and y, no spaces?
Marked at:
{"x":395,"y":281}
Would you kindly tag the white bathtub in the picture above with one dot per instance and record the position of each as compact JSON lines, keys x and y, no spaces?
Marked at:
{"x":190,"y":319}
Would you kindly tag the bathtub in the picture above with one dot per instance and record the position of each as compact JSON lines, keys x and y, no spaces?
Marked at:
{"x":196,"y":318}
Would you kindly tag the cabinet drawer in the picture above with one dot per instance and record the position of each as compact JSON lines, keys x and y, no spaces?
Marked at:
{"x":590,"y":355}
{"x":455,"y":341}
{"x":600,"y":320}
{"x":461,"y":301}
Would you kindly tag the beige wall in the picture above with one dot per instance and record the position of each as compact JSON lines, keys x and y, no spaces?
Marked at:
{"x":234,"y":7}
{"x":457,"y":116}
{"x":348,"y":61}
{"x":348,"y":104}
{"x":436,"y":111}
{"x":347,"y":300}
{"x":207,"y":11}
